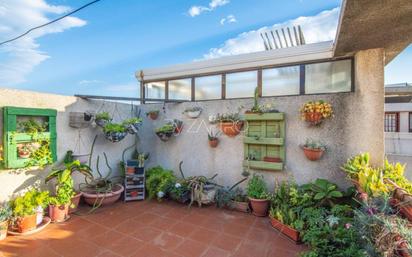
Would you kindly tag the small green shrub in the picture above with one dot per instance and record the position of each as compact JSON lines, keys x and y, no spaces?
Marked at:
{"x":26,"y":205}
{"x":103,"y":116}
{"x":256,"y":187}
{"x":159,"y":182}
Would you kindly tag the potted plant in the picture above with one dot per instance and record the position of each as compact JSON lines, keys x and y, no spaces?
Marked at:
{"x":23,"y":151}
{"x":153,"y":114}
{"x":180,"y":192}
{"x":132,"y":125}
{"x":24,"y":211}
{"x":165,"y":132}
{"x":258,"y":197}
{"x":71,"y":167}
{"x":239,"y":200}
{"x":101,"y":191}
{"x":178,"y":124}
{"x":230,"y":123}
{"x":314,"y":112}
{"x":141,"y":158}
{"x":313,"y":149}
{"x":5,"y":215}
{"x":114,"y":132}
{"x":213,"y":138}
{"x":193,"y":112}
{"x":102,"y":119}
{"x":161,"y":182}
{"x":260,"y":109}
{"x":60,"y":203}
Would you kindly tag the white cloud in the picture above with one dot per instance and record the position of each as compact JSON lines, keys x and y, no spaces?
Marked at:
{"x":18,"y":58}
{"x":318,"y":28}
{"x":228,"y":19}
{"x":198,"y":9}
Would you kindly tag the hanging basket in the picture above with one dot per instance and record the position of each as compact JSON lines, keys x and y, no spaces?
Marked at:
{"x":133,"y":128}
{"x":101,"y":122}
{"x":80,"y":120}
{"x":115,"y":136}
{"x":164,"y":136}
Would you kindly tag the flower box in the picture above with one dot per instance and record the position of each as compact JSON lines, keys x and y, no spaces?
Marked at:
{"x":286,"y":230}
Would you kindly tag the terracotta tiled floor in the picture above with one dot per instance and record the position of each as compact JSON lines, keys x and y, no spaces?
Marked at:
{"x":146,"y":229}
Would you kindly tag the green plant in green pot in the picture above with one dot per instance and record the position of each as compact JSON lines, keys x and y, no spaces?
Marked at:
{"x":25,"y":209}
{"x":72,"y":167}
{"x":59,"y":203}
{"x":5,"y":215}
{"x":258,"y":195}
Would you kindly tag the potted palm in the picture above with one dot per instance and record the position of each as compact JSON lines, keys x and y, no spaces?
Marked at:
{"x":102,"y":119}
{"x":258,"y":195}
{"x":70,"y":167}
{"x":153,"y":114}
{"x":132,"y":125}
{"x":213,"y":138}
{"x":114,"y":132}
{"x":313,"y":149}
{"x":193,"y":112}
{"x":5,"y":214}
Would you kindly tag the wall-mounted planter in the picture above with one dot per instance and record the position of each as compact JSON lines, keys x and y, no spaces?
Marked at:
{"x":313,"y":154}
{"x":101,"y":122}
{"x":164,"y":136}
{"x":272,"y":159}
{"x":314,"y":112}
{"x":213,"y":143}
{"x":80,"y":119}
{"x":193,"y":114}
{"x":231,"y":129}
{"x":313,"y":118}
{"x":153,"y":115}
{"x":286,"y":230}
{"x":115,"y":136}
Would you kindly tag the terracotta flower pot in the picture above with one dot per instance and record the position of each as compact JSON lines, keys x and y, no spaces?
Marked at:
{"x":3,"y":229}
{"x":153,"y":115}
{"x":75,"y":202}
{"x":26,"y":223}
{"x":130,"y":170}
{"x":285,"y":229}
{"x":230,"y":128}
{"x":259,"y":206}
{"x":272,"y":159}
{"x":178,"y":130}
{"x":314,"y":118}
{"x":59,"y":213}
{"x":239,"y":206}
{"x":104,"y":199}
{"x":313,"y":154}
{"x":24,"y":155}
{"x":213,"y":143}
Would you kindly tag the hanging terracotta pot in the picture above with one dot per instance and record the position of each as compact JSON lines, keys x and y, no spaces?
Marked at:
{"x":230,"y":128}
{"x":153,"y":115}
{"x":312,"y":153}
{"x":213,"y":143}
{"x":313,"y":118}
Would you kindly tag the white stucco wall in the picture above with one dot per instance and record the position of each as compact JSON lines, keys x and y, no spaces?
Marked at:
{"x":13,"y":181}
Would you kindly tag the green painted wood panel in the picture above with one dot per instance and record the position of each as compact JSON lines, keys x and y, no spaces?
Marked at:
{"x":11,"y":138}
{"x":265,"y":136}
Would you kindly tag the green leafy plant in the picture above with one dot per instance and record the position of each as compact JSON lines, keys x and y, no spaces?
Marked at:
{"x":167,"y":128}
{"x":132,"y":121}
{"x":114,"y":128}
{"x":314,"y":144}
{"x":159,"y":182}
{"x":324,"y":191}
{"x":71,"y":167}
{"x":193,"y":109}
{"x":152,"y":112}
{"x":213,"y":135}
{"x":31,"y":126}
{"x":5,"y":212}
{"x":41,"y":156}
{"x":179,"y":190}
{"x":64,"y":189}
{"x":103,"y":116}
{"x":228,"y":117}
{"x":26,"y":204}
{"x":256,"y":187}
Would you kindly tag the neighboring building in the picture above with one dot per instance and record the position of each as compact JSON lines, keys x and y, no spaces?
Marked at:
{"x":398,"y":123}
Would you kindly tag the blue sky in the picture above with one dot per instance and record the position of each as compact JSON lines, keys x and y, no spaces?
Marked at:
{"x":98,"y":50}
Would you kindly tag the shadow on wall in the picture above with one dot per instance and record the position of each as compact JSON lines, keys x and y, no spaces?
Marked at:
{"x":79,"y":140}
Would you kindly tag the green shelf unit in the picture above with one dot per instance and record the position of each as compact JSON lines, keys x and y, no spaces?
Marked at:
{"x":264,"y":137}
{"x":11,"y":138}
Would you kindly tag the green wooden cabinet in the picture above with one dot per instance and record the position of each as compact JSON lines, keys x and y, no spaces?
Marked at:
{"x":264,"y":137}
{"x":11,"y":138}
